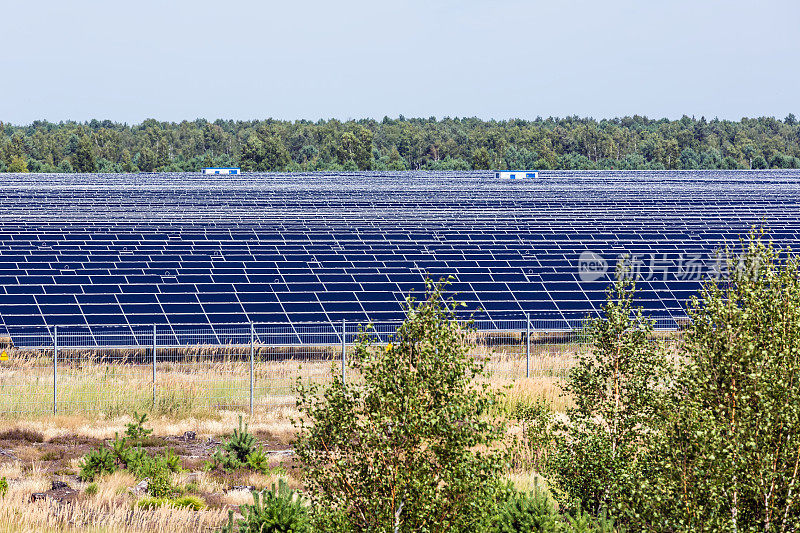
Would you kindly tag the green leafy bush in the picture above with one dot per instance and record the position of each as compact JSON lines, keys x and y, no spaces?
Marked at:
{"x":3,"y":486}
{"x":158,"y":470}
{"x":277,"y":511}
{"x":160,"y":483}
{"x":91,"y":489}
{"x":397,"y":449}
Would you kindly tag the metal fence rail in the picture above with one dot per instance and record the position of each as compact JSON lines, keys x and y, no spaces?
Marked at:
{"x":168,"y":369}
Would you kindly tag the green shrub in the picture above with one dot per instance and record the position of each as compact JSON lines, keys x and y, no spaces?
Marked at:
{"x":158,"y":470}
{"x":171,"y":460}
{"x":96,"y":463}
{"x":136,"y":430}
{"x":277,"y":511}
{"x":91,"y":489}
{"x":536,"y":512}
{"x":583,"y":522}
{"x":528,"y":512}
{"x":239,"y":451}
{"x":120,"y":451}
{"x":3,"y":486}
{"x":136,"y":460}
{"x":258,"y":461}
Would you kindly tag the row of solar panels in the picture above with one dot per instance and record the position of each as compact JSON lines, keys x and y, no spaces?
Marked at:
{"x":165,"y":249}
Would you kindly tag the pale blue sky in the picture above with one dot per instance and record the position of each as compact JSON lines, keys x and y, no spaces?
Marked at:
{"x":243,"y":59}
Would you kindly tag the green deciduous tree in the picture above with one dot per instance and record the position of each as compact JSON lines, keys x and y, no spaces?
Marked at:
{"x":252,"y":153}
{"x":569,"y":142}
{"x":276,"y":157}
{"x":356,"y":146}
{"x":728,"y":458}
{"x":759,"y":162}
{"x":480,"y":159}
{"x":397,"y":448}
{"x":617,"y":386}
{"x":82,"y":158}
{"x":18,"y":164}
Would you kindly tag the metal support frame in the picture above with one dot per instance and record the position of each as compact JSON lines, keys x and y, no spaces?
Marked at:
{"x":55,"y":369}
{"x":154,"y":364}
{"x":252,"y":359}
{"x":527,"y":345}
{"x":344,"y":351}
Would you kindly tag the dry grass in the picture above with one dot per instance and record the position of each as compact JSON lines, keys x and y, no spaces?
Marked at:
{"x":275,"y":422}
{"x":107,"y":511}
{"x":206,"y":381}
{"x":111,"y":509}
{"x":205,"y":395}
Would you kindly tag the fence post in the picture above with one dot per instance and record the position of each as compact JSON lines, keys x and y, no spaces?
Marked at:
{"x":154,"y":365}
{"x":252,"y":357}
{"x":55,"y":368}
{"x":344,"y":350}
{"x":527,"y":345}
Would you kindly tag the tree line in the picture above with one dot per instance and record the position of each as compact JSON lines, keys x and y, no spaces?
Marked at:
{"x":571,"y":143}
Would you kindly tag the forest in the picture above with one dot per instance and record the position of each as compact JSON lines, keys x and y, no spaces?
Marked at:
{"x":571,"y":143}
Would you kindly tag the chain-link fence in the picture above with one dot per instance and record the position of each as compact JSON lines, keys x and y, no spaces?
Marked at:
{"x":197,"y":369}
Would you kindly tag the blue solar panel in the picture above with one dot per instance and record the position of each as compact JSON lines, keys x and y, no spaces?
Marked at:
{"x":151,"y":249}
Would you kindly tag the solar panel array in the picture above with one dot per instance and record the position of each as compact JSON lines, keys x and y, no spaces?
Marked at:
{"x":174,"y":249}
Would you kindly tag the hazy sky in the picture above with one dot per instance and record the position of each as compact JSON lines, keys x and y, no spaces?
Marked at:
{"x":244,"y":59}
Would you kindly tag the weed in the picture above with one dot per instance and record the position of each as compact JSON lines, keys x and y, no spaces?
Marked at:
{"x":52,"y":455}
{"x":193,"y":503}
{"x":91,"y":489}
{"x":3,"y":486}
{"x":538,"y":436}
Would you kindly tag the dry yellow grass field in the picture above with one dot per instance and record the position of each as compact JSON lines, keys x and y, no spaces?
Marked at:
{"x":96,"y":399}
{"x":204,"y":380}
